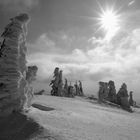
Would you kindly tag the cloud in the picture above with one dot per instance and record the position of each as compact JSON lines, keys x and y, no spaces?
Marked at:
{"x":42,"y":44}
{"x":58,"y":42}
{"x":131,"y":2}
{"x":130,"y":20}
{"x":119,"y":60}
{"x":18,"y":5}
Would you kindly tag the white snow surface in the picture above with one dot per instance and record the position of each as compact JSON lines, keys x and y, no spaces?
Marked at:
{"x":78,"y":119}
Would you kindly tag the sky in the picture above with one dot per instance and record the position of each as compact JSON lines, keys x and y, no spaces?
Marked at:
{"x":67,"y":34}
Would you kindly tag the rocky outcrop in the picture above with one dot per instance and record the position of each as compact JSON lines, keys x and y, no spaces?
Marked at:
{"x":13,"y":65}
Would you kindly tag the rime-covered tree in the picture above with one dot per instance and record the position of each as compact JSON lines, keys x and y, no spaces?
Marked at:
{"x":76,"y":88}
{"x":30,"y":77}
{"x":81,"y":88}
{"x":57,"y":83}
{"x":66,"y":88}
{"x":112,"y":97}
{"x":131,"y":101}
{"x":122,"y":98}
{"x":13,"y":65}
{"x":103,"y":91}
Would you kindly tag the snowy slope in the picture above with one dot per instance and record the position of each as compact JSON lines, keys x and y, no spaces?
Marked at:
{"x":77,"y":119}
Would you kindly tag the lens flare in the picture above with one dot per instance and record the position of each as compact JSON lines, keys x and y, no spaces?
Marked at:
{"x":109,"y":22}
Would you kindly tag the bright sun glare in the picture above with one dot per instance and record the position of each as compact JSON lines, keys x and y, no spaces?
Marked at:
{"x":109,"y":22}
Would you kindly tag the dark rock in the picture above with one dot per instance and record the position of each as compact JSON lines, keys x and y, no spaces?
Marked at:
{"x":40,"y":92}
{"x":43,"y":108}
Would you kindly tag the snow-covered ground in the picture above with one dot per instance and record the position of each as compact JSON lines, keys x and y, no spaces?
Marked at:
{"x":78,"y":119}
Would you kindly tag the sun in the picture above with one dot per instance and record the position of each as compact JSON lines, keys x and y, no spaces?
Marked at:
{"x":109,"y":22}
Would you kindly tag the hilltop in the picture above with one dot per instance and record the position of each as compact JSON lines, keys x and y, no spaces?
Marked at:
{"x":78,"y":119}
